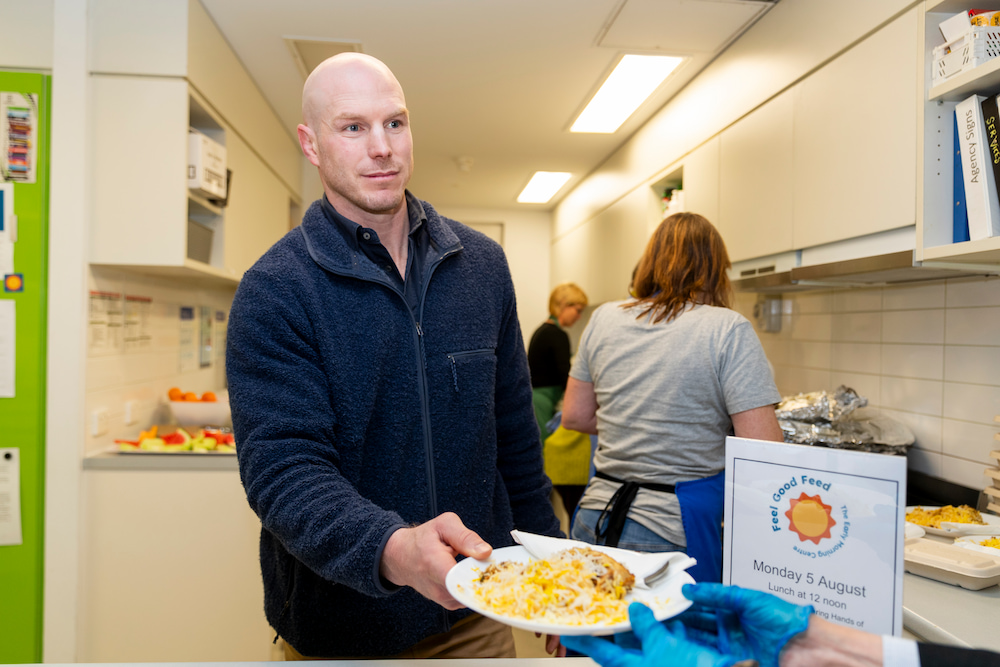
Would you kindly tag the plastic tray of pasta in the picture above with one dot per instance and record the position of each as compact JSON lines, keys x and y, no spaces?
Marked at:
{"x":573,"y":592}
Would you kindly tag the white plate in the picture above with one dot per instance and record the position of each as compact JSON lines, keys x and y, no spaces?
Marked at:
{"x":973,"y":542}
{"x":912,"y":531}
{"x":956,"y":529}
{"x":665,"y":599}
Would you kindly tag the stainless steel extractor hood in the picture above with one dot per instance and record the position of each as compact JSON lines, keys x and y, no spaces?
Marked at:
{"x":891,"y":268}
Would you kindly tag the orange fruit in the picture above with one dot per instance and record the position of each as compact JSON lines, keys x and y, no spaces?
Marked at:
{"x":190,"y":396}
{"x":175,"y":394}
{"x":209,"y":397}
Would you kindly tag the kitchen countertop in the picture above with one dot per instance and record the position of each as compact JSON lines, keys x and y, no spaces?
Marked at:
{"x":932,"y":611}
{"x":945,"y":614}
{"x":113,"y":460}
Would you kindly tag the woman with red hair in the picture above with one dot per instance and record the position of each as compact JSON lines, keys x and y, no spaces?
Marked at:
{"x":662,"y":378}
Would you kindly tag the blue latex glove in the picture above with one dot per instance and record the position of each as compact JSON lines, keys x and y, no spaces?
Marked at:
{"x":650,"y":644}
{"x":747,"y":623}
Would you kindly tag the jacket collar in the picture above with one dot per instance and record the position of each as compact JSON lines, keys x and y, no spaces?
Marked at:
{"x":329,"y":248}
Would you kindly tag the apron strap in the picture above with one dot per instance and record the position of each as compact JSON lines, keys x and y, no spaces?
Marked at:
{"x":611,"y":522}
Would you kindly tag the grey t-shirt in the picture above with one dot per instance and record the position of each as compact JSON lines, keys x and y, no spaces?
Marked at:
{"x":665,"y":393}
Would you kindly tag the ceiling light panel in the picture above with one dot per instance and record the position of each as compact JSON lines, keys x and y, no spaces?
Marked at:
{"x":629,"y":85}
{"x":542,"y":187}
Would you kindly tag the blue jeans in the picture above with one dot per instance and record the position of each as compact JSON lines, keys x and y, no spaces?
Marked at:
{"x":635,"y":536}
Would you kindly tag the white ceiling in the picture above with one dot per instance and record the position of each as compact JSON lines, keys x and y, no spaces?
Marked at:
{"x":497,"y":81}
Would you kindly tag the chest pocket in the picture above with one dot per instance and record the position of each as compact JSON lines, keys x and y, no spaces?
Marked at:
{"x":470,"y":368}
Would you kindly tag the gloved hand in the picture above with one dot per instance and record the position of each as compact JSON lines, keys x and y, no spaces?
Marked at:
{"x":742,"y":622}
{"x":655,"y":645}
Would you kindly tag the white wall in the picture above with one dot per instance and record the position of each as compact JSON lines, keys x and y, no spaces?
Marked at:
{"x":527,"y":239}
{"x":142,"y":372}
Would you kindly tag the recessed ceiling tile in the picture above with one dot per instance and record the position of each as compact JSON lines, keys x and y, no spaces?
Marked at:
{"x":679,"y":26}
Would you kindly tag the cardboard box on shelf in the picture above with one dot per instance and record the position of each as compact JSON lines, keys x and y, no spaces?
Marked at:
{"x":206,"y":165}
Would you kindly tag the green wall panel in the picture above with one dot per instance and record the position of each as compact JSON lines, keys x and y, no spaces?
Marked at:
{"x":22,"y":418}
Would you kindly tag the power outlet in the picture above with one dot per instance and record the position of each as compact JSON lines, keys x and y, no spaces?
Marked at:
{"x":131,"y":407}
{"x":99,"y":422}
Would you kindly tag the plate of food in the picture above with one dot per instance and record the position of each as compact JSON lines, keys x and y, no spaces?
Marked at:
{"x":576,"y":591}
{"x":952,"y":521}
{"x":989,"y":544}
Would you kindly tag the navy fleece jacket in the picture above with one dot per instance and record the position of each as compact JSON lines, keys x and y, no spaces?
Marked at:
{"x":355,"y":416}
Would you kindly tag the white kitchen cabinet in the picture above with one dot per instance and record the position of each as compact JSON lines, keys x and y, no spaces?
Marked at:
{"x":854,"y":150}
{"x":935,"y":139}
{"x":257,"y":214}
{"x":141,"y":204}
{"x":701,"y":180}
{"x":170,"y":568}
{"x":159,"y":68}
{"x":756,"y":175}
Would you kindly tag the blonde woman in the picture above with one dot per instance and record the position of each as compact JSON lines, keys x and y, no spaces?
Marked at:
{"x":662,"y":378}
{"x":549,"y":362}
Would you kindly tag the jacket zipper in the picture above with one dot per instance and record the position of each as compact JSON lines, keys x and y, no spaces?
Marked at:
{"x":418,"y":333}
{"x":422,"y":371}
{"x":424,"y":397}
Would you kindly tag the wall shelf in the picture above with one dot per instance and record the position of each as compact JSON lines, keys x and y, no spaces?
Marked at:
{"x":983,"y":79}
{"x":201,"y":206}
{"x":935,"y":130}
{"x":190,"y":272}
{"x":985,"y":251}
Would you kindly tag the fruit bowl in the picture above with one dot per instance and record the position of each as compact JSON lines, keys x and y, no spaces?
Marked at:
{"x":202,"y":413}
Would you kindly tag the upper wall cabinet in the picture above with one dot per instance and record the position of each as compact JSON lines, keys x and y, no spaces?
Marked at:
{"x":935,"y":226}
{"x":701,"y":180}
{"x":258,"y":211}
{"x":756,"y":177}
{"x":855,"y":155}
{"x":160,"y":68}
{"x":144,"y":216}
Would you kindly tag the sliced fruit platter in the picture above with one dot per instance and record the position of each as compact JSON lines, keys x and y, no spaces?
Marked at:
{"x":202,"y":441}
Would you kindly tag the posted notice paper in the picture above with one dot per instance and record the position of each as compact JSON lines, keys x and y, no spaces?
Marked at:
{"x":8,"y":347}
{"x":818,"y":526}
{"x":10,"y":497}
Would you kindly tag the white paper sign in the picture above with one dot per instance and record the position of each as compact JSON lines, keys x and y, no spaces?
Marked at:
{"x":818,"y":526}
{"x":188,"y":340}
{"x":18,"y":136}
{"x":8,"y":348}
{"x":10,"y":497}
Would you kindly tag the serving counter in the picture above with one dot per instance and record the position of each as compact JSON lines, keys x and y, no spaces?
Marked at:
{"x":945,"y":614}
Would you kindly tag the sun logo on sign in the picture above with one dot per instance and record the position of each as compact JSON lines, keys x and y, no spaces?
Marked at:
{"x":810,"y":518}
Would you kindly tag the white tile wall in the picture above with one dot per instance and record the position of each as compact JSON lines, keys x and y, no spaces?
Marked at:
{"x":913,"y":326}
{"x":858,"y":357}
{"x":914,"y":297}
{"x":923,"y":362}
{"x":926,"y":354}
{"x":144,"y":375}
{"x":973,"y":326}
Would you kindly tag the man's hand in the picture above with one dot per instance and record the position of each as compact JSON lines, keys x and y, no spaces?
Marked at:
{"x":420,"y":557}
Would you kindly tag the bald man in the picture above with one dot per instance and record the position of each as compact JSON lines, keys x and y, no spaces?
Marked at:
{"x":380,"y":397}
